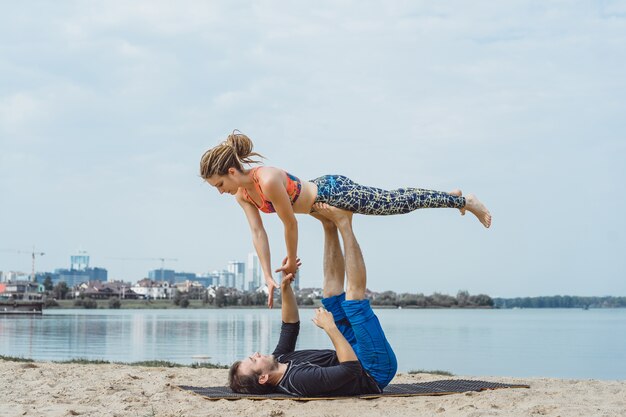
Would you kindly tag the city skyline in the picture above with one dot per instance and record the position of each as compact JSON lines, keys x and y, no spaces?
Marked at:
{"x":243,"y":278}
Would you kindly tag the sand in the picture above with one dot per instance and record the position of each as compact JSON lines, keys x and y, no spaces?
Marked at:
{"x":51,"y":389}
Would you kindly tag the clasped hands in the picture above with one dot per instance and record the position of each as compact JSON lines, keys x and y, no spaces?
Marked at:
{"x":289,"y":268}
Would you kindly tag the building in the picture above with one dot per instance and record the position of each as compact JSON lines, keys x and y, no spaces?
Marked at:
{"x":153,"y":289}
{"x":78,"y":273}
{"x":184,"y":276}
{"x":73,"y":277}
{"x":104,"y":290}
{"x":209,"y":280}
{"x":253,"y":272}
{"x":21,"y":290}
{"x":296,"y":281}
{"x":190,"y":287}
{"x":238,"y":269}
{"x":80,"y":261}
{"x":225,"y":279}
{"x":162,"y":275}
{"x":9,"y":276}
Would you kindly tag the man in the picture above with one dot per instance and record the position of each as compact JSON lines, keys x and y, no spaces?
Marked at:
{"x":362,"y":362}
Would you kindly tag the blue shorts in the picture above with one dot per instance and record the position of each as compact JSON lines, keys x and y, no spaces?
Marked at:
{"x":356,"y":320}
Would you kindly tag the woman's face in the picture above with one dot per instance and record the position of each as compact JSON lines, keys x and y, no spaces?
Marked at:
{"x":225,"y":183}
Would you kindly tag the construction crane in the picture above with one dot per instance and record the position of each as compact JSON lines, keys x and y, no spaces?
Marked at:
{"x":32,"y":253}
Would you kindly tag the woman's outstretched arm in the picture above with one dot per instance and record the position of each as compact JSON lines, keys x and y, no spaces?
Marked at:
{"x":261,"y":245}
{"x":274,"y":189}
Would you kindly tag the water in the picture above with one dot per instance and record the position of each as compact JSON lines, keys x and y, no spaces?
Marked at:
{"x":562,"y":343}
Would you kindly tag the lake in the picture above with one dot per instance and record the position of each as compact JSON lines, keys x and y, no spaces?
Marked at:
{"x":563,"y":343}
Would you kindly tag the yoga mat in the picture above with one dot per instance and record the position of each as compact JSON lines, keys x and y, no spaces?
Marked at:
{"x":442,"y":387}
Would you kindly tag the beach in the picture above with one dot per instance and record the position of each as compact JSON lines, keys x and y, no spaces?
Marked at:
{"x":54,"y":389}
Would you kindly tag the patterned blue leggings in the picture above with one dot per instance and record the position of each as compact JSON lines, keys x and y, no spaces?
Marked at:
{"x":342,"y":192}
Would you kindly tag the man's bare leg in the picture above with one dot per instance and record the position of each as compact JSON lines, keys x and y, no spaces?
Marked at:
{"x":334,"y":268}
{"x":354,"y":263}
{"x":374,"y":352}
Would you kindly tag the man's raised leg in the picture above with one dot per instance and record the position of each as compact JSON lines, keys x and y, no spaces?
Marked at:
{"x":374,"y":353}
{"x":334,"y":277}
{"x":334,"y":268}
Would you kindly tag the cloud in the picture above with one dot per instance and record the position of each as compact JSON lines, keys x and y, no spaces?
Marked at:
{"x":20,"y":111}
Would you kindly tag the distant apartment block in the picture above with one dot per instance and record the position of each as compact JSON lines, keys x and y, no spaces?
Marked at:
{"x":8,"y":276}
{"x":296,"y":280}
{"x":73,"y":277}
{"x":209,"y":280}
{"x":225,"y":279}
{"x":78,"y":273}
{"x":253,"y":272}
{"x":238,"y":269}
{"x":184,"y":277}
{"x":162,"y":275}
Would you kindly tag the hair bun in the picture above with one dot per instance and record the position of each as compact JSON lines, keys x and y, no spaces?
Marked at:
{"x":232,"y":153}
{"x":240,"y":143}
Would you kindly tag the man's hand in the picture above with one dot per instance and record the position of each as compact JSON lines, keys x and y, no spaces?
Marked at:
{"x":286,"y":281}
{"x":287,"y":278}
{"x":324,"y":319}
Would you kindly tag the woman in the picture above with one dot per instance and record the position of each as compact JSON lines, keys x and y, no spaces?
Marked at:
{"x":272,"y":190}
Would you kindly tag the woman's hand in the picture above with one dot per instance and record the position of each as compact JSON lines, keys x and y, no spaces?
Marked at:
{"x":289,"y":266}
{"x":271,"y":286}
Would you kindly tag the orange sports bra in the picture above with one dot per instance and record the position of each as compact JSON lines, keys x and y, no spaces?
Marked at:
{"x":294,"y":185}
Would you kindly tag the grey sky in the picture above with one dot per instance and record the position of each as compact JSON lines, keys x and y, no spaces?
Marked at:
{"x":106,"y":108}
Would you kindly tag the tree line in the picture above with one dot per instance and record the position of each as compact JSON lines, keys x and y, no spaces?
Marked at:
{"x":463,"y":299}
{"x":226,"y":297}
{"x":560,"y":301}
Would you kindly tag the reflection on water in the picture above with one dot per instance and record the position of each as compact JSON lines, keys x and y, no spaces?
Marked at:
{"x":558,"y":343}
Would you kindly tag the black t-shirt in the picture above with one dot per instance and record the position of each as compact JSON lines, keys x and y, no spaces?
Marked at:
{"x":318,"y":372}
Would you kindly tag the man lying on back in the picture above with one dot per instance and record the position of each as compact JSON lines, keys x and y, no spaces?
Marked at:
{"x":362,"y":362}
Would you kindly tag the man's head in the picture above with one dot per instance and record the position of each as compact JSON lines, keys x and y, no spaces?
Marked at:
{"x":252,"y":375}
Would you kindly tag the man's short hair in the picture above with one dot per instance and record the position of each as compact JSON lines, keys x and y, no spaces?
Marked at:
{"x":247,"y":384}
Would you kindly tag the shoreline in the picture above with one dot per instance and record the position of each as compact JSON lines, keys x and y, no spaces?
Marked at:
{"x":197,"y":305}
{"x":54,"y":389}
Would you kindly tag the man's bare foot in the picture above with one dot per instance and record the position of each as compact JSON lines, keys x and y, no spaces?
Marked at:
{"x":325,"y":221}
{"x":478,"y":209}
{"x":456,"y":192}
{"x":334,"y":214}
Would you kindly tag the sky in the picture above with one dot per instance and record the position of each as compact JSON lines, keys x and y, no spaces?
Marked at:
{"x":107,"y":107}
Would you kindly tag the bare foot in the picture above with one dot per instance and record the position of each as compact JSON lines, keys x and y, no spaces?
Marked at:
{"x":334,"y":214}
{"x":458,"y":193}
{"x":316,"y":213}
{"x":478,"y":209}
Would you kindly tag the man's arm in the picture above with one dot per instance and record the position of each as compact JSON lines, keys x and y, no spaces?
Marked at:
{"x":289,"y":306}
{"x":324,"y":320}
{"x":291,"y":319}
